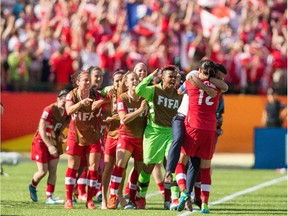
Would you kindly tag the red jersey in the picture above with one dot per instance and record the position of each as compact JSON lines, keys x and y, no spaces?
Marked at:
{"x":136,"y":127}
{"x":56,"y":124}
{"x":202,"y":108}
{"x":47,"y":116}
{"x":85,"y":121}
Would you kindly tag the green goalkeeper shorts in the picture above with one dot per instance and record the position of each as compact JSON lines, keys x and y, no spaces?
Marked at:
{"x":156,"y":145}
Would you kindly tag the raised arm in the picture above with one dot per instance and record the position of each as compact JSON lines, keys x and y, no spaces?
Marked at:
{"x":144,"y":90}
{"x":196,"y":81}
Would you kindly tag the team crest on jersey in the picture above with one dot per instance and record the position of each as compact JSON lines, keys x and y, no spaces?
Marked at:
{"x":68,"y":97}
{"x":120,"y":105}
{"x":45,"y":115}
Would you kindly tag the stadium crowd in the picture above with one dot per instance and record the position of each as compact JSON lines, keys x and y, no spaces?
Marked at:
{"x":43,"y":42}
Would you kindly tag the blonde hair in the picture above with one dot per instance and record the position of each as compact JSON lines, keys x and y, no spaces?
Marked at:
{"x":138,"y":64}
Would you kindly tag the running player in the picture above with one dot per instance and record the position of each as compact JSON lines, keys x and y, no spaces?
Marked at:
{"x":83,"y":138}
{"x":132,"y":110}
{"x":201,"y":123}
{"x":113,"y":123}
{"x":164,"y":102}
{"x":47,"y":146}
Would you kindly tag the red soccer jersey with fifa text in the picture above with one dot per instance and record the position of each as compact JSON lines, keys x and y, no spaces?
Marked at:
{"x":202,"y":108}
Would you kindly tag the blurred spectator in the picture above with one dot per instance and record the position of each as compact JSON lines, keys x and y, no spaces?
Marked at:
{"x":274,"y":112}
{"x":248,"y":37}
{"x":19,"y":63}
{"x":61,"y":64}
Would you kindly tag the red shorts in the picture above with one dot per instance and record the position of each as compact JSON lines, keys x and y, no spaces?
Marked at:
{"x":73,"y":148}
{"x":40,"y":153}
{"x":133,"y":145}
{"x":110,"y":146}
{"x":199,"y":143}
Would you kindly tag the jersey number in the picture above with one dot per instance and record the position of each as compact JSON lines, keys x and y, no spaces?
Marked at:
{"x":207,"y":99}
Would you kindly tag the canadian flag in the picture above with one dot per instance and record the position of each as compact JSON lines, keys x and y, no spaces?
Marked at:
{"x":210,"y":21}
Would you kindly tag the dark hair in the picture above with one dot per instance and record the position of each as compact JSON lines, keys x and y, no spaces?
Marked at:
{"x":183,"y":77}
{"x":170,"y":67}
{"x":75,"y":76}
{"x":92,"y":68}
{"x":63,"y":92}
{"x":221,"y":68}
{"x":119,"y":71}
{"x":208,"y":67}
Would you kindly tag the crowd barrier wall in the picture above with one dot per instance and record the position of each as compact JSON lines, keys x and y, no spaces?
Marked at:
{"x":242,"y":114}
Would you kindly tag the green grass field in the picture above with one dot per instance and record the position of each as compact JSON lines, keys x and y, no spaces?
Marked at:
{"x":234,"y":192}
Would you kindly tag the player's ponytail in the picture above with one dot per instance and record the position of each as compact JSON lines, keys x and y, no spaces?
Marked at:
{"x":123,"y":88}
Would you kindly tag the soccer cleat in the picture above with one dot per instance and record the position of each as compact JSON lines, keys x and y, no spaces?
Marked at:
{"x":52,"y":201}
{"x":90,"y":205}
{"x":188,"y":205}
{"x":198,"y":203}
{"x":112,"y":203}
{"x":182,"y":201}
{"x":74,"y":199}
{"x":140,"y":203}
{"x":174,"y":205}
{"x":68,"y":204}
{"x":167,"y":205}
{"x":205,"y":208}
{"x":130,"y":205}
{"x":99,"y":197}
{"x":33,"y":193}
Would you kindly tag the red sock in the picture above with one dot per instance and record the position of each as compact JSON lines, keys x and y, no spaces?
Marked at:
{"x":70,"y":181}
{"x":181,"y":176}
{"x":205,"y":184}
{"x":82,"y":182}
{"x":167,"y":193}
{"x":132,"y":185}
{"x":161,"y":188}
{"x":49,"y":190}
{"x":92,"y":181}
{"x":197,"y":188}
{"x":116,"y":179}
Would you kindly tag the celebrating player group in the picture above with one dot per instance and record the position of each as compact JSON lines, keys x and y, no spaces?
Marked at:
{"x":165,"y":118}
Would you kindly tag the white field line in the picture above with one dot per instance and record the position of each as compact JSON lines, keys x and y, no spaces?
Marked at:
{"x":240,"y":193}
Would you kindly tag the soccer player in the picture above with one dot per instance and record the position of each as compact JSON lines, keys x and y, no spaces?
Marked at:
{"x":84,"y":137}
{"x":113,"y":123}
{"x":141,"y":70}
{"x":200,"y":134}
{"x":220,"y":74}
{"x":132,"y":110}
{"x":163,"y":103}
{"x":47,"y":146}
{"x":96,"y":75}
